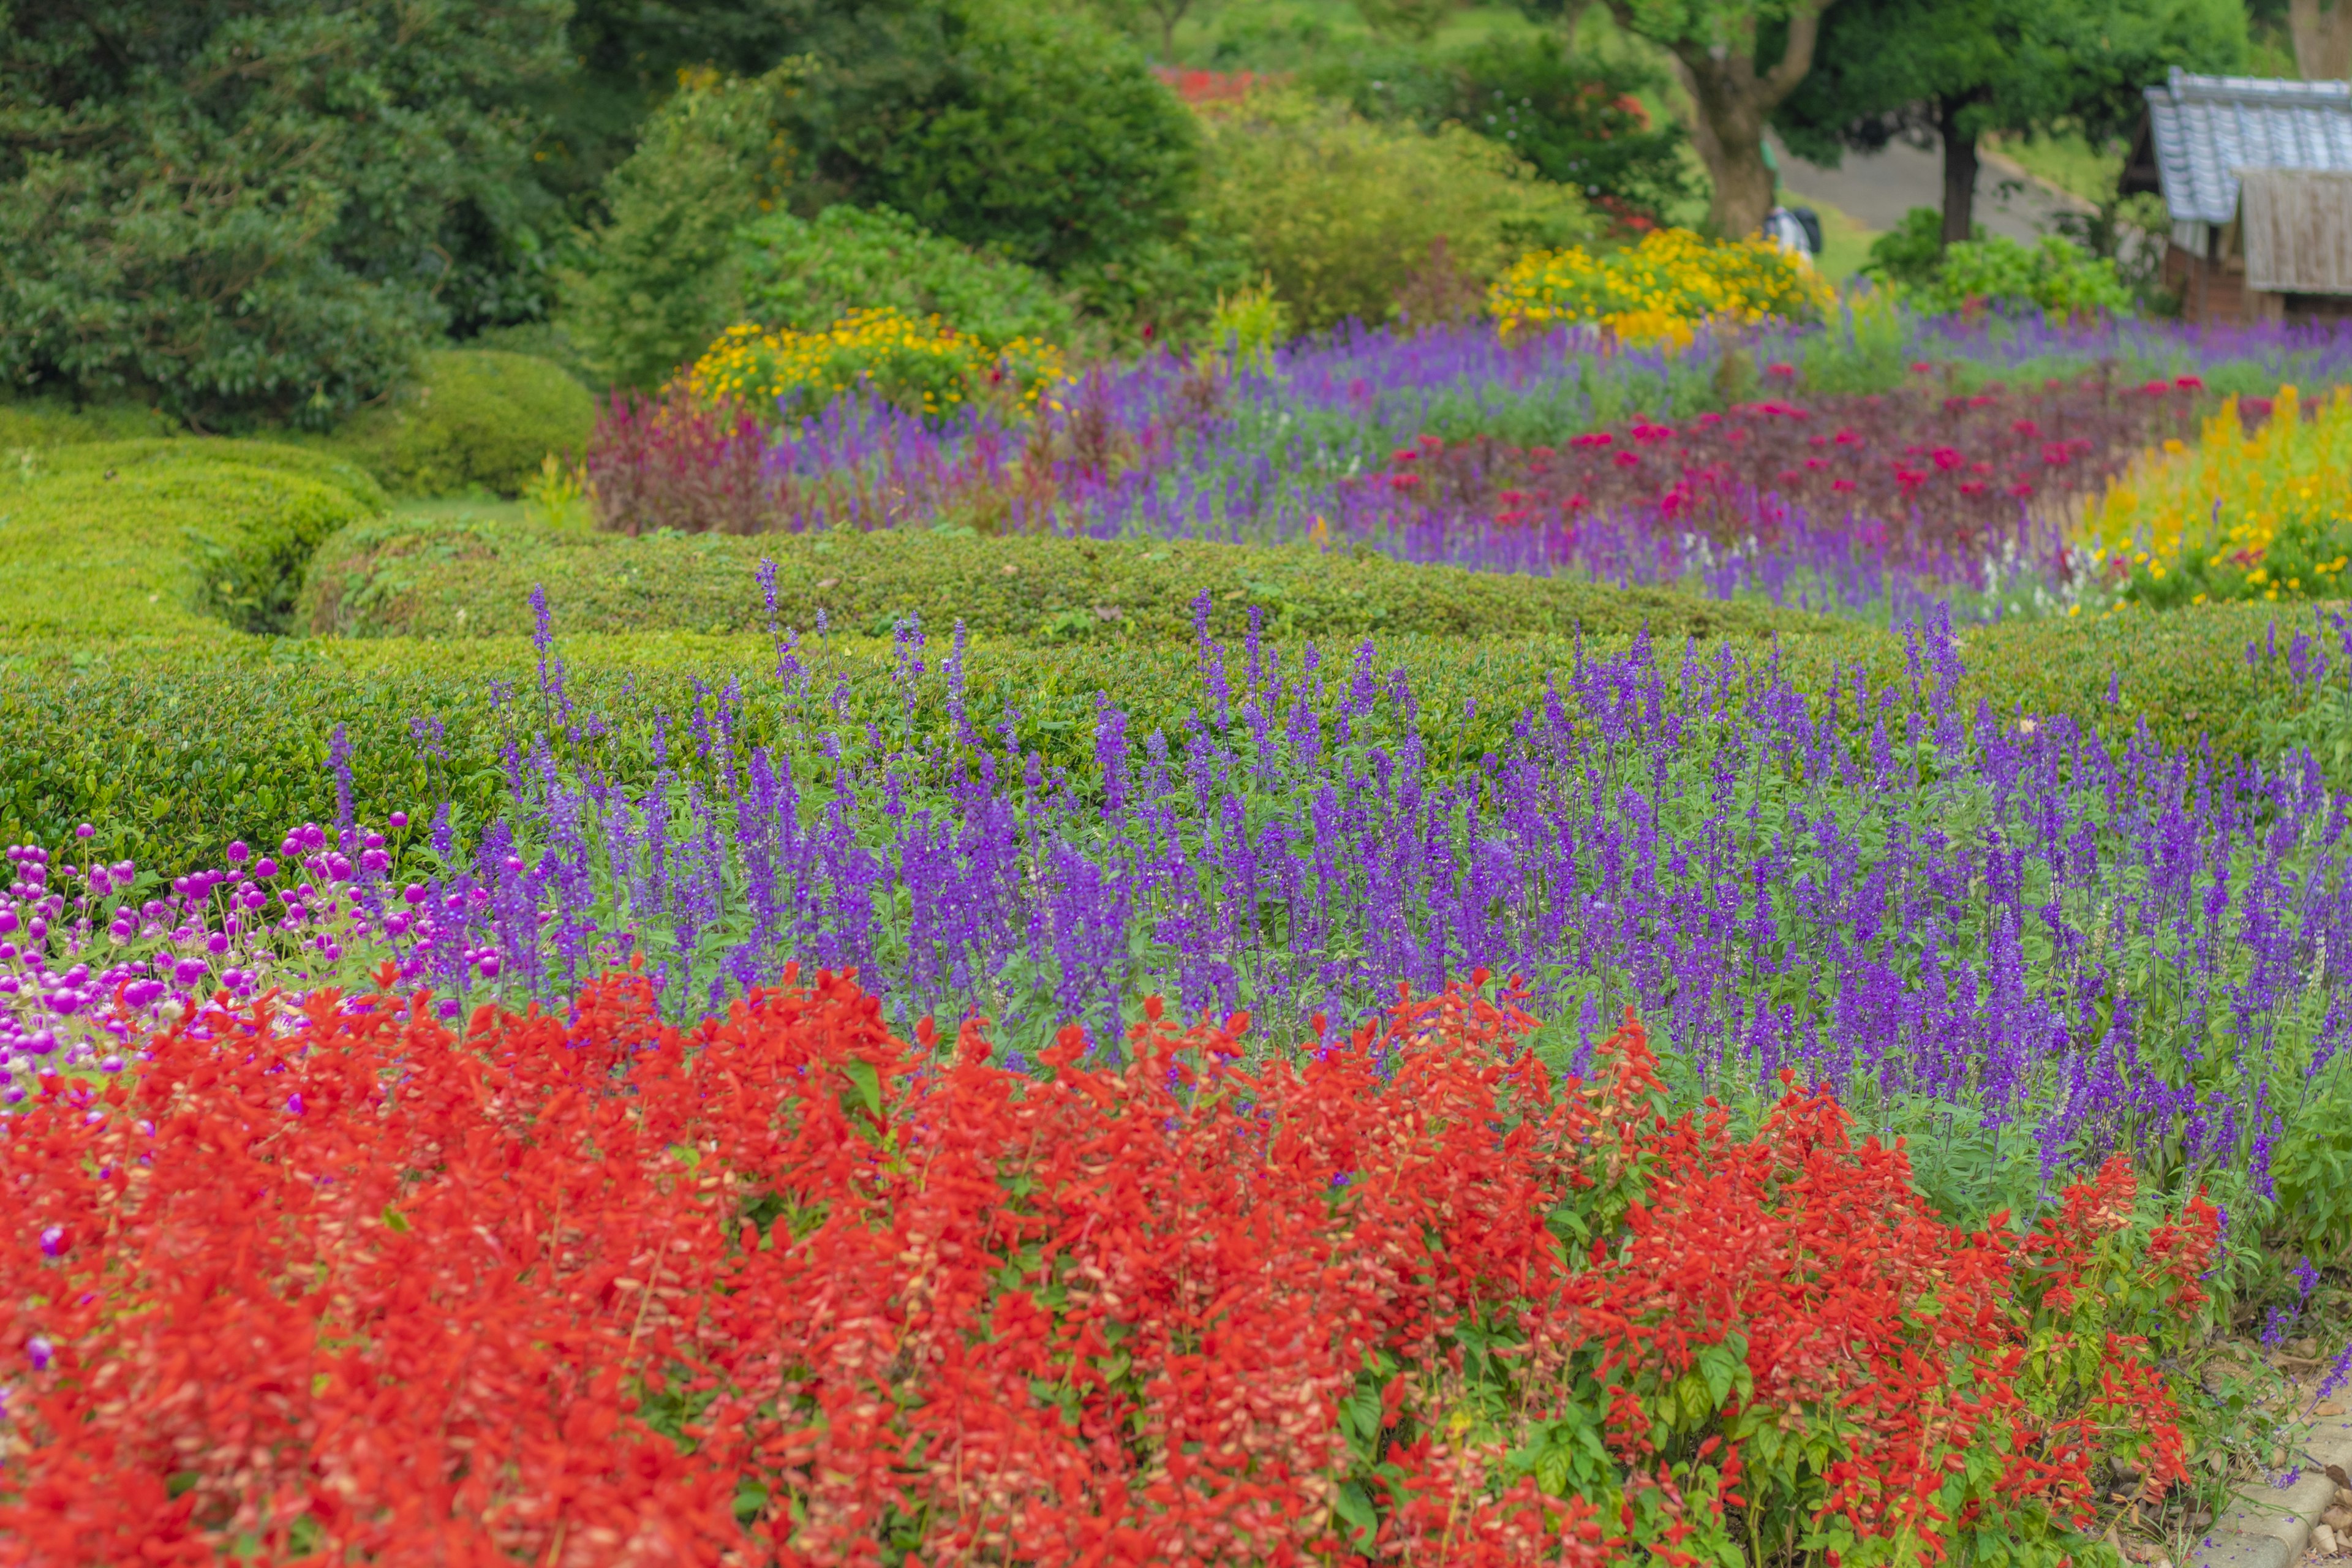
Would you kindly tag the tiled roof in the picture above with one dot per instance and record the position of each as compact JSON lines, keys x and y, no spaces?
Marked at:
{"x":2205,"y":127}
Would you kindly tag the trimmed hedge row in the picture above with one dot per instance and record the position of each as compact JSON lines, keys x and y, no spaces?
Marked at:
{"x":129,"y":538}
{"x":174,"y":746}
{"x":405,"y":576}
{"x":2215,"y":673}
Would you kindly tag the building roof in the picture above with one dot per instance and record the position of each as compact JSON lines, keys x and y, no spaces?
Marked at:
{"x":2206,"y":128}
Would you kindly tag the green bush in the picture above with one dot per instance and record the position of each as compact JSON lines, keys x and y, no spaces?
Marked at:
{"x":258,"y":209}
{"x":1576,"y":118}
{"x":474,"y":420}
{"x":2056,"y":276}
{"x":656,"y":280}
{"x":1910,"y":253}
{"x":167,"y":536}
{"x":805,"y":274}
{"x":404,"y":577}
{"x":1342,"y":212}
{"x":1041,"y":136}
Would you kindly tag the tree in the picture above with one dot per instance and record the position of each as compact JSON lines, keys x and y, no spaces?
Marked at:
{"x":1719,"y":48}
{"x":260,"y":207}
{"x":2322,"y":38}
{"x":1932,"y":70}
{"x":1163,"y":15}
{"x":1417,"y":20}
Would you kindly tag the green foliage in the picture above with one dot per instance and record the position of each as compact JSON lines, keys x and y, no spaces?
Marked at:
{"x":409,"y":576}
{"x":1340,"y":212}
{"x":658,"y":280}
{"x":152,"y":454}
{"x":805,"y":274}
{"x":1164,"y":290}
{"x":51,"y":421}
{"x":110,"y":539}
{"x":475,"y":420}
{"x":1910,"y":253}
{"x":260,"y":208}
{"x":174,"y":745}
{"x":1576,"y":118}
{"x":1249,"y":326}
{"x":2056,"y":277}
{"x":1886,"y":66}
{"x":1043,"y":136}
{"x":2184,"y":674}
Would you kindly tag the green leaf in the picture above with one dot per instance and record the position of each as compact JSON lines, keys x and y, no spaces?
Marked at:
{"x":863,"y":1077}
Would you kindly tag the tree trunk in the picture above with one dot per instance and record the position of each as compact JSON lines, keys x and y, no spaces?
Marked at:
{"x":1730,"y":102}
{"x":2322,"y":38}
{"x":1960,"y":172}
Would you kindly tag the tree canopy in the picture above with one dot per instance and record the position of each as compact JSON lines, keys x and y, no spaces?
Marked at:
{"x":262,"y":204}
{"x":1958,"y":72}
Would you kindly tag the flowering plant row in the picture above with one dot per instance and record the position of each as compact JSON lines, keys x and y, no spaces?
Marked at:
{"x":2261,"y":507}
{"x":925,"y":367}
{"x":1660,"y":291}
{"x":1940,"y":485}
{"x":337,"y":1280}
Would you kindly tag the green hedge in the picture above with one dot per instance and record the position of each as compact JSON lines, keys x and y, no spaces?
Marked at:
{"x":175,"y":745}
{"x":404,"y":577}
{"x":2183,"y":673}
{"x":149,"y":454}
{"x":476,"y":419}
{"x":120,"y":539}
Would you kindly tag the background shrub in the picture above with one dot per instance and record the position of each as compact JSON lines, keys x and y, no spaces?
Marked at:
{"x":474,"y":420}
{"x":805,"y":274}
{"x":1340,"y":211}
{"x":1043,"y":136}
{"x":2055,"y":276}
{"x":261,"y":208}
{"x":1576,"y":118}
{"x":656,"y":280}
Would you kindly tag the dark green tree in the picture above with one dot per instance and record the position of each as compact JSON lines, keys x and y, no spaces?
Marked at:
{"x":246,"y":207}
{"x":1953,"y":72}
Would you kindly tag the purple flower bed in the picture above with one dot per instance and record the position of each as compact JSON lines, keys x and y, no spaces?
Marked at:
{"x":1302,"y":452}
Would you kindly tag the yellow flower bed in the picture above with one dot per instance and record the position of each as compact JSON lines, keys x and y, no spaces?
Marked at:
{"x":920,"y":364}
{"x":2238,"y":516}
{"x":1660,"y":291}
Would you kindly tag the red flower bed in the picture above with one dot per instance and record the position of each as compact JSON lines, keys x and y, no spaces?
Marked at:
{"x":785,"y":1288}
{"x":1943,"y":471}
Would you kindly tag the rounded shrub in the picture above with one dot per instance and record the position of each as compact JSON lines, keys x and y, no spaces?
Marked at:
{"x":805,"y":274}
{"x":474,"y":419}
{"x":1342,"y":213}
{"x":1043,"y":136}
